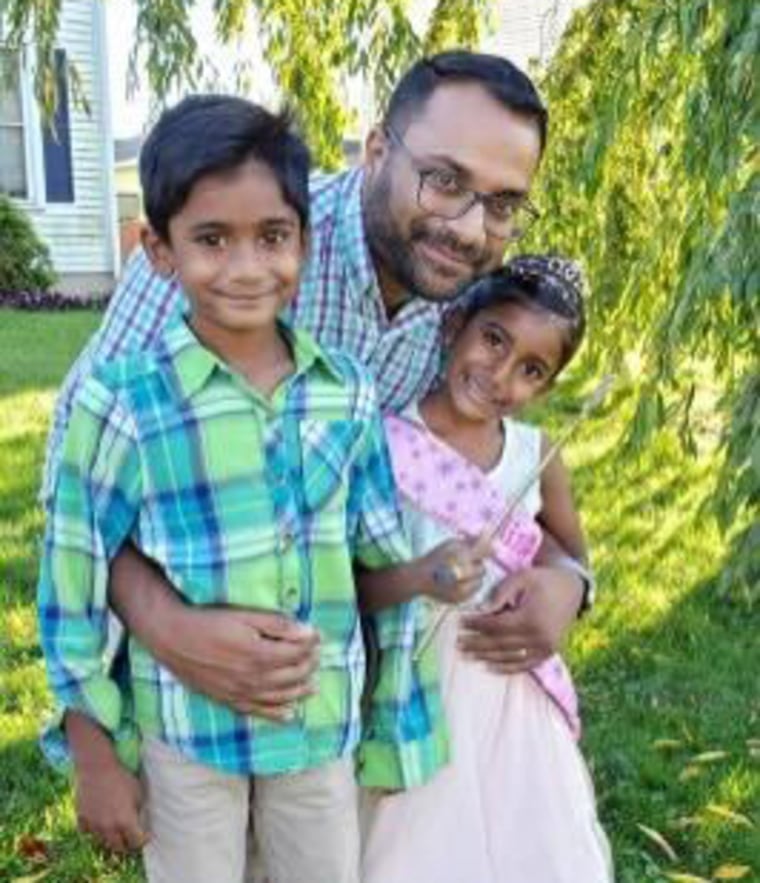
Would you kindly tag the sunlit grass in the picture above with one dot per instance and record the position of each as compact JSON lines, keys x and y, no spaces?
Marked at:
{"x":659,"y":659}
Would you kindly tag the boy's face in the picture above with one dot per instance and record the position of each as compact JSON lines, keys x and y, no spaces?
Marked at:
{"x":236,"y":247}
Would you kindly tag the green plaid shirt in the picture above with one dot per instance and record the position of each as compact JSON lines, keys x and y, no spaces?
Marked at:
{"x":242,"y":501}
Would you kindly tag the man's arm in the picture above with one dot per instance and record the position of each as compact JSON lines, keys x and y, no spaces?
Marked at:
{"x":257,"y":663}
{"x":531,"y":612}
{"x":138,"y":310}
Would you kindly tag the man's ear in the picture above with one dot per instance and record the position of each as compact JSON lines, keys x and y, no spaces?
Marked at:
{"x":158,"y":250}
{"x":376,"y":148}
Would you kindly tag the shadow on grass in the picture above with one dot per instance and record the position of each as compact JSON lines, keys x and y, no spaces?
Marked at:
{"x":690,"y":679}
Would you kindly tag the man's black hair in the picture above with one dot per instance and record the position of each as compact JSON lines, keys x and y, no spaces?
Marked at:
{"x":503,"y":81}
{"x":207,"y":134}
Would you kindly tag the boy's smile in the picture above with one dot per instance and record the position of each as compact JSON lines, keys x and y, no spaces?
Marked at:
{"x":236,"y":247}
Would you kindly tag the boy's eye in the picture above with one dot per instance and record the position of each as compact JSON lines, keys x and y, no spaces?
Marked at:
{"x":212,"y":240}
{"x":276,"y":237}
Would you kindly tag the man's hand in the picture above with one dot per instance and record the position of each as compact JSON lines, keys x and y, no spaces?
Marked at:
{"x":108,"y":803}
{"x":524,"y":622}
{"x":257,"y":663}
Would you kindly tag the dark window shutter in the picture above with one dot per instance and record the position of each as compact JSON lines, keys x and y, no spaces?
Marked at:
{"x":56,"y":140}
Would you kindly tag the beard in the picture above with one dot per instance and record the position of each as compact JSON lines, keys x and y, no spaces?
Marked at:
{"x":396,"y":252}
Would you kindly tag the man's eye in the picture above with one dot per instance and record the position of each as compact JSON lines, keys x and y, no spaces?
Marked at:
{"x":502,"y":206}
{"x":444,"y":180}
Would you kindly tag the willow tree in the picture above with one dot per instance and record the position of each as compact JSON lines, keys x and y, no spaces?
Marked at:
{"x":311,"y":47}
{"x":652,"y":176}
{"x":649,"y":176}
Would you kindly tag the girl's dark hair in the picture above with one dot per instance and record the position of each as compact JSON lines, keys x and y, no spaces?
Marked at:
{"x":503,"y":81}
{"x":539,"y":282}
{"x":207,"y":134}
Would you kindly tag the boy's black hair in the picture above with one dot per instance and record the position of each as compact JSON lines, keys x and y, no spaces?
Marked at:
{"x":503,"y":81}
{"x":207,"y":134}
{"x":539,"y":282}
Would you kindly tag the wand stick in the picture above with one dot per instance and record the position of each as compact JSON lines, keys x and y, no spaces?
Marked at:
{"x":486,"y":539}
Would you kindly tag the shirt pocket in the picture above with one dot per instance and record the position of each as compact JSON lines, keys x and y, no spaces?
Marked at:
{"x":328,"y":451}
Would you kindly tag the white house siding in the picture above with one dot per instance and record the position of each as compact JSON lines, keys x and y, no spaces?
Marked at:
{"x":81,"y":234}
{"x":527,"y":33}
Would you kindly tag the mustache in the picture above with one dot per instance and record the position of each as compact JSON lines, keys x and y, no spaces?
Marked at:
{"x":450,"y":241}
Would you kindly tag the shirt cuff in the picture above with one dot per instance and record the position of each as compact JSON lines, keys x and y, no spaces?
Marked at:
{"x":55,"y":745}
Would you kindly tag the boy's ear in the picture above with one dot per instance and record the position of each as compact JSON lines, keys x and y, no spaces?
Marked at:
{"x":158,"y":250}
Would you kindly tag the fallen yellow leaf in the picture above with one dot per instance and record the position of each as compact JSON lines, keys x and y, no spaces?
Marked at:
{"x":709,"y":756}
{"x":731,"y":872}
{"x":685,"y":822}
{"x":684,"y":878}
{"x":689,"y":772}
{"x":657,"y":838}
{"x":728,"y":814}
{"x":667,"y":744}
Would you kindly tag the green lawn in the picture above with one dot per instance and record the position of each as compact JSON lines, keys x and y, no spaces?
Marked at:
{"x":668,"y":673}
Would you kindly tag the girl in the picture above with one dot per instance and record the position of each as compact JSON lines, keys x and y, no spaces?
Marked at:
{"x":515,"y":804}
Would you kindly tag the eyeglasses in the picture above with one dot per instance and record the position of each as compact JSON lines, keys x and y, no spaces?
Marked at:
{"x":440,"y":193}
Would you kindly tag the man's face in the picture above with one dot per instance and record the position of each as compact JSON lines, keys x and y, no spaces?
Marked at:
{"x":462,"y":135}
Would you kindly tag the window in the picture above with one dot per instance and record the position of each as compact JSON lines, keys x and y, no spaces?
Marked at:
{"x":13,"y":173}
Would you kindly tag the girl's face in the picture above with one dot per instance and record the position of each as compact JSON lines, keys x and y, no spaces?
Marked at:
{"x":504,"y":357}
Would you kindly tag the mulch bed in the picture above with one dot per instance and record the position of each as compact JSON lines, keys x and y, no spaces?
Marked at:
{"x":51,"y":301}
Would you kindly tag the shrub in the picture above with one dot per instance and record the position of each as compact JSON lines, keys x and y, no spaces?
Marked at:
{"x":25,"y":263}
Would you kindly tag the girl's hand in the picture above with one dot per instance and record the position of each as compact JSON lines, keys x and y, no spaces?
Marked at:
{"x":108,"y":803}
{"x":453,"y":571}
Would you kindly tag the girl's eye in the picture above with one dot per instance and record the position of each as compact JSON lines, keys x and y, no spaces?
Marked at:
{"x":492,"y":338}
{"x":534,"y":372}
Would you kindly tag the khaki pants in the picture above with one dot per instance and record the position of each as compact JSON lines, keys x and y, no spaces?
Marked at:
{"x":306,"y":823}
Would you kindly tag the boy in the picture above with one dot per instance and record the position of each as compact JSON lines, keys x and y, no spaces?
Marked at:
{"x":250,"y":465}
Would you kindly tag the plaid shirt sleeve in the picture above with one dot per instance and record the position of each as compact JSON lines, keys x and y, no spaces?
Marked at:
{"x":404,"y":738}
{"x":378,"y":534}
{"x":91,"y":512}
{"x":140,"y":308}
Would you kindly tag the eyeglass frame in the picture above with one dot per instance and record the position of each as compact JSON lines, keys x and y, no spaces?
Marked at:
{"x":475,"y":196}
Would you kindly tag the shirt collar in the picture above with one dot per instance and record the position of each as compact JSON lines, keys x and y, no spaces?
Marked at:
{"x":194,"y":364}
{"x":352,"y":236}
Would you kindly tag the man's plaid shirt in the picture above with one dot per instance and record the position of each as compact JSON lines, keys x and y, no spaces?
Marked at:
{"x":244,"y":502}
{"x":339,"y":302}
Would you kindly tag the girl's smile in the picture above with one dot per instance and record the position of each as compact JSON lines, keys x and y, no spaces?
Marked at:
{"x":505,"y":356}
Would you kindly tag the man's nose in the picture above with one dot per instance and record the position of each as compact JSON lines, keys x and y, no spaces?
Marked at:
{"x":470,"y":226}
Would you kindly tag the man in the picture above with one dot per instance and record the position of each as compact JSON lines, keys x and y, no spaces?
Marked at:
{"x":442,"y":192}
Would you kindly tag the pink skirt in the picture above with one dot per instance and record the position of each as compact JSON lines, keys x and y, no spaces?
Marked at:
{"x":515,"y":805}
